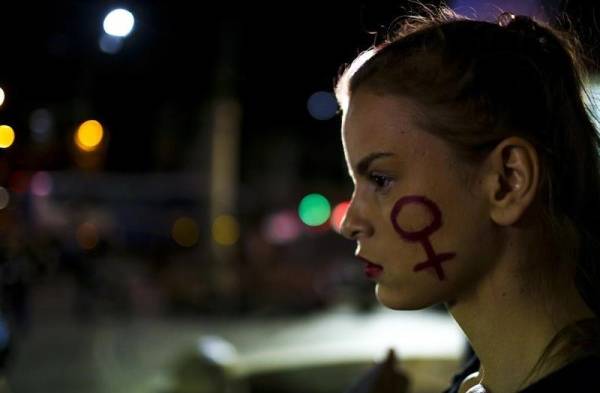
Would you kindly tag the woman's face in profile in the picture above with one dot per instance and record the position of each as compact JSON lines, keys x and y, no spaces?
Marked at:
{"x":418,"y":214}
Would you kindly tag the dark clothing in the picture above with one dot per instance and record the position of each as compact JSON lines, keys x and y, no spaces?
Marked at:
{"x":581,"y":375}
{"x":471,"y":366}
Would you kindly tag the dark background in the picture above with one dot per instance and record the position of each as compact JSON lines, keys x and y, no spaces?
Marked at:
{"x":158,"y":99}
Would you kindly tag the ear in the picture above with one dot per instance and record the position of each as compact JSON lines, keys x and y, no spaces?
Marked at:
{"x":511,"y":180}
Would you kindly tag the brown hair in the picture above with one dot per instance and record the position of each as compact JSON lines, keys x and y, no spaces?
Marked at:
{"x":476,"y":83}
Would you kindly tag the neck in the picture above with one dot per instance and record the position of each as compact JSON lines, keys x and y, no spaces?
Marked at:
{"x":509,"y":325}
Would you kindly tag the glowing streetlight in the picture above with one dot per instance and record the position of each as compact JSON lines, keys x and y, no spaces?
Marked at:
{"x":89,"y":135}
{"x":118,"y":23}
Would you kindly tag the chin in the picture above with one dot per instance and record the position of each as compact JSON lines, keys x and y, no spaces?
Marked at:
{"x":401,"y":300}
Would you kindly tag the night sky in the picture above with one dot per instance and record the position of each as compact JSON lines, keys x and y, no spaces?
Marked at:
{"x":153,"y":96}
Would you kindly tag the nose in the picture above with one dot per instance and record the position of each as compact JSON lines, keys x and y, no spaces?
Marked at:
{"x":354,"y":224}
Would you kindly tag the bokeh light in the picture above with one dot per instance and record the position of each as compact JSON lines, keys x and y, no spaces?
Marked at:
{"x":110,"y":44}
{"x":225,"y":230}
{"x":2,"y":96}
{"x":41,"y":184}
{"x":118,"y":22}
{"x":185,"y":232}
{"x":41,"y":123}
{"x":217,"y":350}
{"x":314,"y":210}
{"x":338,"y":214}
{"x":282,"y":227}
{"x":4,"y":197}
{"x":89,"y":135}
{"x":87,"y":236}
{"x":7,"y":136}
{"x":322,"y":105}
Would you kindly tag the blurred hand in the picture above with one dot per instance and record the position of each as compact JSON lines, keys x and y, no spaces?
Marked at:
{"x":390,"y":378}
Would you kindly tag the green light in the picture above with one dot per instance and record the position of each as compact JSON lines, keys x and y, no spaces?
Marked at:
{"x":314,"y":210}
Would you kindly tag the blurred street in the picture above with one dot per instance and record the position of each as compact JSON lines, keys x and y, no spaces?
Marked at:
{"x":147,"y":355}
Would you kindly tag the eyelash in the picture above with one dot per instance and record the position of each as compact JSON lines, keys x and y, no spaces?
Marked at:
{"x":377,"y":180}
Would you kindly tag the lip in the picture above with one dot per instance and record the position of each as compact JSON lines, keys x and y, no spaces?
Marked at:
{"x":371,"y":270}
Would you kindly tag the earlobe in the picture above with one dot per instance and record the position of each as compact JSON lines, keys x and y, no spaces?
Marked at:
{"x":512,"y":179}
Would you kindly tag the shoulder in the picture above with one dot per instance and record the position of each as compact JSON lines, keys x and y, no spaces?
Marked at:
{"x":579,"y":375}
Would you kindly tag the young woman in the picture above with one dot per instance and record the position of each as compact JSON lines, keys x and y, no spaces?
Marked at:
{"x":477,"y":185}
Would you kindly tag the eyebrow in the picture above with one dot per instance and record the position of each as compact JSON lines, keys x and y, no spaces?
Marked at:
{"x":363,"y":165}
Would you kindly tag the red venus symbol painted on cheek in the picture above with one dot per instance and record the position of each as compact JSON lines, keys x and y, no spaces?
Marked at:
{"x":422,"y":236}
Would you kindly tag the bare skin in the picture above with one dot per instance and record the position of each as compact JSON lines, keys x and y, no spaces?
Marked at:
{"x":489,"y":223}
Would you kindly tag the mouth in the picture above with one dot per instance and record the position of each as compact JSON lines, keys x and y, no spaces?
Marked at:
{"x":371,"y":270}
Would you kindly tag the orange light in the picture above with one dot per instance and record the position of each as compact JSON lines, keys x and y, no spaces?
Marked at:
{"x":339,"y":212}
{"x":89,"y":135}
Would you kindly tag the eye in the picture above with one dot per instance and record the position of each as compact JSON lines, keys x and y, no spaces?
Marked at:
{"x":380,"y":181}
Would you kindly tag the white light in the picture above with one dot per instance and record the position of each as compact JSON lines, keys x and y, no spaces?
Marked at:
{"x":217,"y":350}
{"x":1,"y":96}
{"x":118,"y":23}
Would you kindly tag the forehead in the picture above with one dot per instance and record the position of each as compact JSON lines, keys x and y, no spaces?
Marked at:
{"x":375,"y":122}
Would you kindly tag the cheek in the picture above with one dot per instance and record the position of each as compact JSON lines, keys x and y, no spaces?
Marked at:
{"x":415,"y":217}
{"x":422,"y":218}
{"x":411,"y":219}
